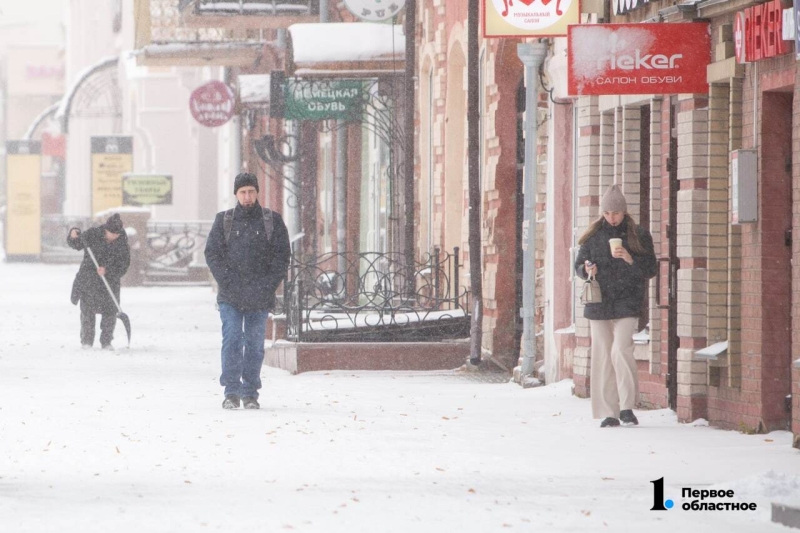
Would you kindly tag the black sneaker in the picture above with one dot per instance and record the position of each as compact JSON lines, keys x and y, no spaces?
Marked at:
{"x":231,"y":402}
{"x":609,"y":422}
{"x":628,"y":418}
{"x":250,"y":403}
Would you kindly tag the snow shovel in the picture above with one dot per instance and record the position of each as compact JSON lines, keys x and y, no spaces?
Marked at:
{"x":122,"y":316}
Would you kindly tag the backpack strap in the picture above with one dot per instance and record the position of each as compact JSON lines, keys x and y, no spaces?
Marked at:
{"x":268,"y":223}
{"x":227,"y":224}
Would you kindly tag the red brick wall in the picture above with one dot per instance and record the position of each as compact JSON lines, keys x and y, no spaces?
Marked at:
{"x":508,"y":72}
{"x":766,"y":275}
{"x":652,"y":391}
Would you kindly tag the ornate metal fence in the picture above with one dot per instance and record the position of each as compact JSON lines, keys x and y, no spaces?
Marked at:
{"x":175,"y":253}
{"x":54,"y":238}
{"x":368,"y":297}
{"x":171,"y":253}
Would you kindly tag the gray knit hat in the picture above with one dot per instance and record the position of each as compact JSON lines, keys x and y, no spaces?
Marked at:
{"x":613,"y":200}
{"x":114,"y":224}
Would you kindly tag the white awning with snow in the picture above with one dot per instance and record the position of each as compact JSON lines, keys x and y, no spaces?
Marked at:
{"x":363,"y":48}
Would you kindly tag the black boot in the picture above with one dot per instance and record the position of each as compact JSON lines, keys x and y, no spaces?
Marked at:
{"x":251,"y":403}
{"x":628,"y":418}
{"x":609,"y":422}
{"x":231,"y":402}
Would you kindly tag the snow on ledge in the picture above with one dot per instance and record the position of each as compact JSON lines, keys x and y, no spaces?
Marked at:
{"x":346,"y":42}
{"x":712,"y":352}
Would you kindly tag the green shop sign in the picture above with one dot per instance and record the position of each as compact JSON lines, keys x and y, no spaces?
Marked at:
{"x":323,"y":99}
{"x":146,"y":189}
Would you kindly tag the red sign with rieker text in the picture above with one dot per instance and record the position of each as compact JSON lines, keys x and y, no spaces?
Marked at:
{"x":757,"y":32}
{"x":612,"y":59}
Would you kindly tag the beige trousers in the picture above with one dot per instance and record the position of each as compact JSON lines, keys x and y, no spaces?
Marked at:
{"x":614,"y":381}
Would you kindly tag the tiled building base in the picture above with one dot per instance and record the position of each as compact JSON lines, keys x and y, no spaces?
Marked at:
{"x":309,"y":357}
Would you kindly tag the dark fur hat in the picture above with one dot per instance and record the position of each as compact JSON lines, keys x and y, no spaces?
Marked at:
{"x":245,"y":179}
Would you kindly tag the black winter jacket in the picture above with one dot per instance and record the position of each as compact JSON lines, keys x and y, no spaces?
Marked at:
{"x":623,"y":285}
{"x":114,"y":256}
{"x":248,"y":269}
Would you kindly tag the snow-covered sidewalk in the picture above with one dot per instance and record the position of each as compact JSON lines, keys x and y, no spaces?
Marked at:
{"x":136,"y":440}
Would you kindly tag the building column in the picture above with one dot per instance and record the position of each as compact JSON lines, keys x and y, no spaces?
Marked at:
{"x":588,"y":192}
{"x":629,"y":148}
{"x":692,"y":235}
{"x":735,"y":248}
{"x":656,"y":209}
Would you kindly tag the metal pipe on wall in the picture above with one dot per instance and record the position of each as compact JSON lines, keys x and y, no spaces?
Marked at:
{"x":340,"y":193}
{"x":473,"y":163}
{"x":323,"y":10}
{"x":408,"y":145}
{"x":291,"y":171}
{"x":532,"y":56}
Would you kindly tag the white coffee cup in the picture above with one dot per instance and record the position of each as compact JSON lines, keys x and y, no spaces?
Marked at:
{"x":614,"y":243}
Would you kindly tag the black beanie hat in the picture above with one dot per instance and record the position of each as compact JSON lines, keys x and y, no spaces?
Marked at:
{"x":245,"y":179}
{"x":114,"y":224}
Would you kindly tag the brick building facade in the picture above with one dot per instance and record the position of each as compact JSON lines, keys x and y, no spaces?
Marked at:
{"x":718,"y":338}
{"x":721,"y":330}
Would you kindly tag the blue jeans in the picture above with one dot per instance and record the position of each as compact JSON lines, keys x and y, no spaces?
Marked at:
{"x":242,"y":350}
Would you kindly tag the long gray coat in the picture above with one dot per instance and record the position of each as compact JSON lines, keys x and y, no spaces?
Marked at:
{"x":114,"y":256}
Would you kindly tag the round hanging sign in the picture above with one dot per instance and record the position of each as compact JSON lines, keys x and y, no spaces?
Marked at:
{"x":374,"y":10}
{"x":211,"y":104}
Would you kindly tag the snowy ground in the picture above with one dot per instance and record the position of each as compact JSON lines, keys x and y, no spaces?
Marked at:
{"x":137,"y":441}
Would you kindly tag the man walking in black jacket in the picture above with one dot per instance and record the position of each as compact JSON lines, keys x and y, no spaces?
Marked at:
{"x":248,"y":254}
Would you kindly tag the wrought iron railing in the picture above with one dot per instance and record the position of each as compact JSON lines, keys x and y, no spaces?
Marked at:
{"x":171,"y":253}
{"x":375,"y":297}
{"x":175,"y":253}
{"x":54,"y":238}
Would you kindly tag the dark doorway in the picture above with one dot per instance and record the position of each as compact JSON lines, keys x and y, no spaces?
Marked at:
{"x":644,"y":195}
{"x":667,"y":283}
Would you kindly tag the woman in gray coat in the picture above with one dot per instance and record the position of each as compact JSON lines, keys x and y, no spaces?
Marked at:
{"x":619,"y":254}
